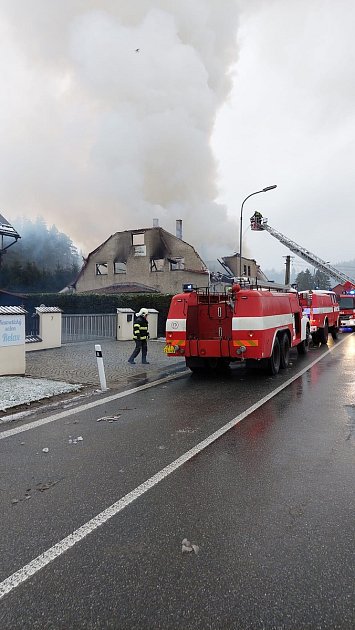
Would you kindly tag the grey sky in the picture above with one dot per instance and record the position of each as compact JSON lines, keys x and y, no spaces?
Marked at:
{"x":291,"y":121}
{"x":97,"y":138}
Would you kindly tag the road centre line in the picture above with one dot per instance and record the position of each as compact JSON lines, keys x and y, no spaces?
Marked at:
{"x":44,"y":559}
{"x":128,"y":392}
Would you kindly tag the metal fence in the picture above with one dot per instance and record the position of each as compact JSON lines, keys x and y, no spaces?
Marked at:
{"x":86,"y":327}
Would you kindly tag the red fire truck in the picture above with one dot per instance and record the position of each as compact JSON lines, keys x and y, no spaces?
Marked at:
{"x":322,"y":309}
{"x":347,"y":309}
{"x":254,"y":324}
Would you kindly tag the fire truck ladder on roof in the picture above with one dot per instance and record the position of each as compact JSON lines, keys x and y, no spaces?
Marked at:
{"x":258,"y":224}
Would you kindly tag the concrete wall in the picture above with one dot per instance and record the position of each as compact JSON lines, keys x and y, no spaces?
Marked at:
{"x":13,"y":361}
{"x":50,"y":329}
{"x":12,"y":341}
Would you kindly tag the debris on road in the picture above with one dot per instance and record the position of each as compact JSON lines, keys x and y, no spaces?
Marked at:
{"x":41,"y":487}
{"x":45,"y":450}
{"x":109,"y":418}
{"x":188,"y":547}
{"x":75,"y":440}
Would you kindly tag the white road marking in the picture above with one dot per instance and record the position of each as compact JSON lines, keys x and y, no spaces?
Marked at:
{"x":91,"y":405}
{"x":33,"y":567}
{"x":128,"y":392}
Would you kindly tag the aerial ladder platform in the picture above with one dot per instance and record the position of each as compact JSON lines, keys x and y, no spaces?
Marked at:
{"x":258,"y":224}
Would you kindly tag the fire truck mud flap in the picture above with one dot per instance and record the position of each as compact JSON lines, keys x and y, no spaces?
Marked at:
{"x":303,"y":347}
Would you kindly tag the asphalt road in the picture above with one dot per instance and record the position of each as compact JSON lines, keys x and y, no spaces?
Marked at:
{"x":270,"y":504}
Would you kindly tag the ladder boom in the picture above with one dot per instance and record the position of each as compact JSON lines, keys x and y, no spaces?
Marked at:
{"x":258,"y":223}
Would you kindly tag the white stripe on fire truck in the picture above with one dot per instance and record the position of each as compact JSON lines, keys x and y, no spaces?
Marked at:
{"x":319,"y":310}
{"x":261,"y":323}
{"x":172,"y":325}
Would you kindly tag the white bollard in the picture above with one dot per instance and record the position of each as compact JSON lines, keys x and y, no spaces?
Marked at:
{"x":100,"y":367}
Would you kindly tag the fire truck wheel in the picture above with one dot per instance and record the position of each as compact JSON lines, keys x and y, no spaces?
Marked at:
{"x":315,"y":339}
{"x":334,"y":332}
{"x":275,"y":359}
{"x":285,"y":351}
{"x":323,"y":334}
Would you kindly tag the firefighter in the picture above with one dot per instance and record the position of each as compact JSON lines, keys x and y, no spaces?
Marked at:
{"x":257,"y":216}
{"x":140,"y":336}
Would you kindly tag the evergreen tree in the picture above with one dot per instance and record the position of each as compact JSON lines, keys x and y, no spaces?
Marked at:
{"x":42,"y":260}
{"x":306,"y":280}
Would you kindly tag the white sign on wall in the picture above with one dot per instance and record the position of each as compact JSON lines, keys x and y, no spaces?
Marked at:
{"x":12,"y":330}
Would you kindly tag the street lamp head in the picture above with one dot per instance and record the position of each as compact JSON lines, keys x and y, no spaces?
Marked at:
{"x":269,"y":188}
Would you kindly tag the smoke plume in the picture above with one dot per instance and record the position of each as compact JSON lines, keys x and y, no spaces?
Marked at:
{"x":108,"y":113}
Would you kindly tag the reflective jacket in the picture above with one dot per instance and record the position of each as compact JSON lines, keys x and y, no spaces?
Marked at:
{"x":140,"y":328}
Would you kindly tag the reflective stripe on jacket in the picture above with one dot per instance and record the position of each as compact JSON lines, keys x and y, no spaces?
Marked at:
{"x":140,"y":328}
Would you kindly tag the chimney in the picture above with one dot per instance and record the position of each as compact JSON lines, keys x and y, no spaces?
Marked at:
{"x":179,"y":228}
{"x":155,"y":222}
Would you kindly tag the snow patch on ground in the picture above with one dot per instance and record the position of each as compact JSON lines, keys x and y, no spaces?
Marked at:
{"x":19,"y":390}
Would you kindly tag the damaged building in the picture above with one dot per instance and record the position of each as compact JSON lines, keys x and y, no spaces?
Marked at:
{"x":144,"y":260}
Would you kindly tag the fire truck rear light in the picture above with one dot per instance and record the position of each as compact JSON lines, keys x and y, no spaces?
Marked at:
{"x":251,"y":333}
{"x":169,"y":335}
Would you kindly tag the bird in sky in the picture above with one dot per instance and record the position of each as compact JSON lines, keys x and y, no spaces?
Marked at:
{"x":137,"y":49}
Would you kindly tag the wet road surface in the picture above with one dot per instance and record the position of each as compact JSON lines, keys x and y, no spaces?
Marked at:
{"x":270,"y":505}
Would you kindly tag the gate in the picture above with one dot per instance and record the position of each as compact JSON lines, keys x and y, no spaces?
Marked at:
{"x":32,"y":325}
{"x":87,"y":327}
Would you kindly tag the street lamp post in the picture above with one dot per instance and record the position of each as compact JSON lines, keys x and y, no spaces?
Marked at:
{"x":241,"y":223}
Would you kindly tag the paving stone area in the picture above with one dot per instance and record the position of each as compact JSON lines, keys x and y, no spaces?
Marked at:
{"x":77,"y":363}
{"x":50,"y":373}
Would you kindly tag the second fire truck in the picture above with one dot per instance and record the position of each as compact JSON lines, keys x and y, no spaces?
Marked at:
{"x":322,"y":309}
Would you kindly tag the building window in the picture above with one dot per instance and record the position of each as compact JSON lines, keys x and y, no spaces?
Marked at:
{"x":157,"y":264}
{"x":101,"y":269}
{"x":177,"y":264}
{"x":140,"y":250}
{"x":119,"y":267}
{"x":244,"y":270}
{"x":249,"y":274}
{"x":138,"y":239}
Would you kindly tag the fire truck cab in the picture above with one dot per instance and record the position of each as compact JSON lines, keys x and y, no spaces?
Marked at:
{"x":322,"y":309}
{"x":257,"y":325}
{"x":347,"y":309}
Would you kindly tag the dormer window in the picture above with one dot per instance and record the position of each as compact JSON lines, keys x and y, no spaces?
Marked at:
{"x":157,"y":264}
{"x":101,"y":269}
{"x":138,"y":238}
{"x":176,"y":264}
{"x":119,"y":267}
